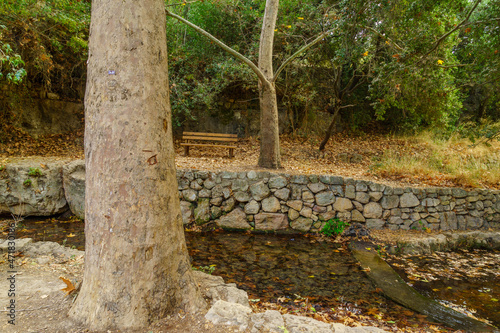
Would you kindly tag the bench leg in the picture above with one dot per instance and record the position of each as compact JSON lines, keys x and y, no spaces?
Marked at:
{"x":186,"y":150}
{"x":231,"y":152}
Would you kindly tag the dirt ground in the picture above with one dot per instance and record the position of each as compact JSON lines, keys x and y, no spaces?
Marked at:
{"x":345,"y":155}
{"x":42,"y":305}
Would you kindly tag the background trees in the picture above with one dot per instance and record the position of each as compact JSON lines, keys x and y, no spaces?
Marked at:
{"x":378,"y":47}
{"x":51,"y":39}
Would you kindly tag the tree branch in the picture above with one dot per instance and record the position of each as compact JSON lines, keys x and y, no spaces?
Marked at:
{"x":347,"y":106}
{"x":449,"y":33}
{"x":484,"y":21}
{"x":391,"y":42}
{"x":226,"y":48}
{"x":456,"y":65}
{"x":181,"y":3}
{"x":296,"y":54}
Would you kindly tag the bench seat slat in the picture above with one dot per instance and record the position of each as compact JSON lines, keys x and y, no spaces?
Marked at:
{"x":206,"y":145}
{"x":185,"y":137}
{"x":210,"y":134}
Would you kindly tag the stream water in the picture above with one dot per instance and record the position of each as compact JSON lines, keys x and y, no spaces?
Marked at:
{"x":287,"y":269}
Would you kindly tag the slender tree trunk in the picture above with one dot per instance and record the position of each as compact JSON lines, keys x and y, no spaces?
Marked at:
{"x":329,"y":131}
{"x":269,"y":132}
{"x":136,"y":262}
{"x":269,"y":129}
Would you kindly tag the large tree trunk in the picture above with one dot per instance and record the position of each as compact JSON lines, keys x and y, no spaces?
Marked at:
{"x":269,"y":129}
{"x":136,"y":262}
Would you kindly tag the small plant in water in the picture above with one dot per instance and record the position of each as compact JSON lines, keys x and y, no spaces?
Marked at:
{"x":334,"y":227}
{"x":205,"y":269}
{"x":27,"y":182}
{"x":34,"y":172}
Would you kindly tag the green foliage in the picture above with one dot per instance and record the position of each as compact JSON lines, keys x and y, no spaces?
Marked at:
{"x":483,"y":132}
{"x":205,"y":269}
{"x":375,"y":64}
{"x":478,"y":52}
{"x":46,"y":41}
{"x":27,"y":182}
{"x":202,"y":76}
{"x":34,"y":172}
{"x":11,"y":64}
{"x":334,"y":227}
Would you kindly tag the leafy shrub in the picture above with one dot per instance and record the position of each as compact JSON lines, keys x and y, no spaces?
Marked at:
{"x":334,"y":227}
{"x":483,"y":132}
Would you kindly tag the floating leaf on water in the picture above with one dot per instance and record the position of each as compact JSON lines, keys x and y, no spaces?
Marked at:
{"x":494,"y":300}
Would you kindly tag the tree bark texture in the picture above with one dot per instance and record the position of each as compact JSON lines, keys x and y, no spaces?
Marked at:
{"x":137,"y":268}
{"x":329,"y":131}
{"x":269,"y":129}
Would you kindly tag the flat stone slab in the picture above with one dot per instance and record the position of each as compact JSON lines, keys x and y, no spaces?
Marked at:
{"x":232,"y":314}
{"x":19,"y":244}
{"x":396,"y":289}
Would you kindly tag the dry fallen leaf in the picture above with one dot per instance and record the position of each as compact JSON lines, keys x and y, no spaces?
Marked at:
{"x":69,"y":286}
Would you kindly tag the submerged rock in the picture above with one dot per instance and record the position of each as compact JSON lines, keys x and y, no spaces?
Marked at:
{"x":357,"y":230}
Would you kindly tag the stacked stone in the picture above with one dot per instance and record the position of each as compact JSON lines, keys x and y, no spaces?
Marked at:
{"x":267,"y":201}
{"x":263,"y":200}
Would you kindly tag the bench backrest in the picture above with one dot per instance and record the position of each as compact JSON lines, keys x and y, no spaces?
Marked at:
{"x":210,"y":136}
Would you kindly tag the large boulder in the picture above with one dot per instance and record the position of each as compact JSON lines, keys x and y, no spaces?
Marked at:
{"x":32,"y":186}
{"x":232,"y":314}
{"x":237,"y":219}
{"x":202,"y":211}
{"x":259,"y":191}
{"x":269,"y":321}
{"x":214,"y":288}
{"x":270,"y":221}
{"x":408,"y":200}
{"x":296,"y":324}
{"x":303,"y":224}
{"x":271,"y":204}
{"x":373,"y":210}
{"x":74,"y":186}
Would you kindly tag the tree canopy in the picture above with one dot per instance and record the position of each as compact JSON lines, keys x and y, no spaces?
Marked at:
{"x":406,"y":64}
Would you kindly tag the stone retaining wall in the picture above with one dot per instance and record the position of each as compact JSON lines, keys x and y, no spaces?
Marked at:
{"x":263,"y":200}
{"x":271,"y":201}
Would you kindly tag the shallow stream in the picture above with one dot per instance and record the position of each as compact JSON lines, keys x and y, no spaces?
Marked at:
{"x":297,"y":271}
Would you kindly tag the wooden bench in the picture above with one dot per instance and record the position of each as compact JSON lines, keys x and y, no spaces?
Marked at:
{"x":196,"y":139}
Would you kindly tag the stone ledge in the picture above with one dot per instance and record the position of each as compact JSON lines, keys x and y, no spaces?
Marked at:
{"x":244,"y":200}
